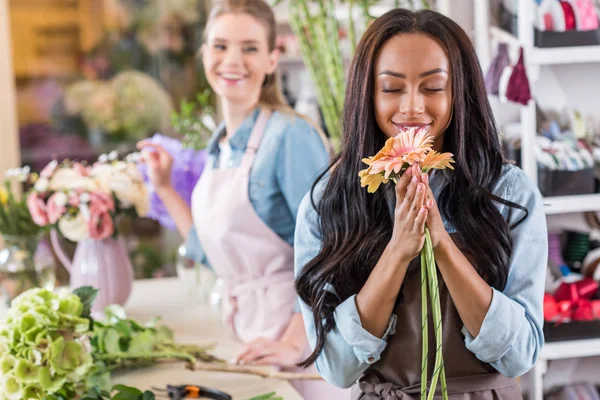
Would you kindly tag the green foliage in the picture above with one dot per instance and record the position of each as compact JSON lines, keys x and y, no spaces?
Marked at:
{"x":195,"y":120}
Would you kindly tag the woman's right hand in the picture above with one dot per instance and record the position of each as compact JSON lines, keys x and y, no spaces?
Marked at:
{"x":159,"y":163}
{"x":408,"y":236}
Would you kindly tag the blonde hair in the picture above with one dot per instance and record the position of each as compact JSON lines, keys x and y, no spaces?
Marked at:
{"x":271,"y":95}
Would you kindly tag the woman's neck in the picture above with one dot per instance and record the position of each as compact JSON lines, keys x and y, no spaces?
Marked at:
{"x":234,"y":115}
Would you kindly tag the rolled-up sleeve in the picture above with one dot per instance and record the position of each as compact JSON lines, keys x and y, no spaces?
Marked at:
{"x":194,"y":248}
{"x":511,"y":336}
{"x":349,"y":348}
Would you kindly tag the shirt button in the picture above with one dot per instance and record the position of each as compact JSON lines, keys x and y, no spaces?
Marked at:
{"x":371,"y":360}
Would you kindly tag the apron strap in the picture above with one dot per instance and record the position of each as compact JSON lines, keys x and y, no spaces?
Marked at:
{"x":255,"y":138}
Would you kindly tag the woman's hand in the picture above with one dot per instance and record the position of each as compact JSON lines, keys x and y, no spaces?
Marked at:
{"x":269,"y":352}
{"x":159,"y":163}
{"x":410,"y":215}
{"x":434,"y":218}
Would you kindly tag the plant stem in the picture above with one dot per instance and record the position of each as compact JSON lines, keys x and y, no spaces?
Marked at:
{"x":437,"y":317}
{"x":351,"y":28}
{"x":424,"y":326}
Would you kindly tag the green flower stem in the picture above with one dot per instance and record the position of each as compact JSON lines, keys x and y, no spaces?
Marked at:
{"x":302,"y":24}
{"x":437,"y":318}
{"x":424,"y":326}
{"x":351,"y":28}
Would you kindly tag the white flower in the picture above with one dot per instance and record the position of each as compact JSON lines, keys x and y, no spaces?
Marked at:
{"x":113,"y":155}
{"x":103,"y":158}
{"x":209,"y":122}
{"x":60,"y":199}
{"x":84,"y":197}
{"x":41,"y":185}
{"x":84,"y":210}
{"x":67,"y":178}
{"x":18,"y":174}
{"x":134,"y":157}
{"x":74,"y":228}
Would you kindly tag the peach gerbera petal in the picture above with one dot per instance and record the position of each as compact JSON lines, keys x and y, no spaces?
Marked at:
{"x":435,"y":160}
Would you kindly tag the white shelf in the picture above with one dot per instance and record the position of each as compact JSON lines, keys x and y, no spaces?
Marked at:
{"x":550,"y":55}
{"x":565,"y":55}
{"x":570,"y":204}
{"x":571,"y":349}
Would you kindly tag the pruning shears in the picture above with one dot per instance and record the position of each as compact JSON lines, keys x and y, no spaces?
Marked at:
{"x":180,"y":392}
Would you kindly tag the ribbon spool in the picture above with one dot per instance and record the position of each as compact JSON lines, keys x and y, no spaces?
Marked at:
{"x":569,"y":14}
{"x":558,"y":15}
{"x":591,"y":265}
{"x":585,"y":12}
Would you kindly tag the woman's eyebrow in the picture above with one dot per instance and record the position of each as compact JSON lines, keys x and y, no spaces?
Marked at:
{"x":421,"y":75}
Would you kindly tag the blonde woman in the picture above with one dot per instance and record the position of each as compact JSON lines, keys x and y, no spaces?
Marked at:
{"x":261,"y":162}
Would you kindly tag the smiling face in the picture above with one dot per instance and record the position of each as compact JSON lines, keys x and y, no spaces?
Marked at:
{"x":237,"y":57}
{"x":413,"y":86}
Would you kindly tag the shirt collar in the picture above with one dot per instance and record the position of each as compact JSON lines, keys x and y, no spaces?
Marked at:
{"x":239,"y":140}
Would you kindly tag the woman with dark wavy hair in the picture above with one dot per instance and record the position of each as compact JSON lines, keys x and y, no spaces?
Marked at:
{"x":357,"y":268}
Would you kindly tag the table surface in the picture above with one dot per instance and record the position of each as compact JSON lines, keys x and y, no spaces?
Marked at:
{"x":193,"y":321}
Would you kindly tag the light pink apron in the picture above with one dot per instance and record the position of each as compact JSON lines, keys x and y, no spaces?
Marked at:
{"x":256,"y":265}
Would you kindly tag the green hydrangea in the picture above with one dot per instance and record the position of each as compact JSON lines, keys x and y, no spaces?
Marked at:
{"x":44,"y":345}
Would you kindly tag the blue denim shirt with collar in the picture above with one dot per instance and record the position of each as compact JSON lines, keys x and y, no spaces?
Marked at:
{"x":511,"y":335}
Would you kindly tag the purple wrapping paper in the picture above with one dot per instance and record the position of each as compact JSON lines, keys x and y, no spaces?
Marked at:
{"x":188,"y":165}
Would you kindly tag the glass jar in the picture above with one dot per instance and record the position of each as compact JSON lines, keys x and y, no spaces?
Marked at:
{"x":25,"y":262}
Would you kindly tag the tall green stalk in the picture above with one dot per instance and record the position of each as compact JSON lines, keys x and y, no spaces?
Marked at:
{"x":434,"y":292}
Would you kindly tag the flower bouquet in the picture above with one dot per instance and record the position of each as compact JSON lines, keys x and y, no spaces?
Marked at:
{"x":85,"y":204}
{"x":410,"y":147}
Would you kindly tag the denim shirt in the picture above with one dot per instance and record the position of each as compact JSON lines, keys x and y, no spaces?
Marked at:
{"x":511,"y":336}
{"x":290,"y":157}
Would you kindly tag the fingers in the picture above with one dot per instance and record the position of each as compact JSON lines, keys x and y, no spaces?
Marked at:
{"x":411,"y":194}
{"x":253,"y":351}
{"x":148,"y":145}
{"x":402,"y":185}
{"x":421,"y":219}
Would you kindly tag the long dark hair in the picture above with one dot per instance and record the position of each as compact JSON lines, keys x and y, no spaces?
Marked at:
{"x":356,"y":226}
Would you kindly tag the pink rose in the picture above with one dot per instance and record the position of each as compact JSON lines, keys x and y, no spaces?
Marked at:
{"x":101,"y":202}
{"x":100,"y":225}
{"x":37,"y":208}
{"x":82,"y":170}
{"x":49,"y":169}
{"x":56,"y":207}
{"x":73,"y":199}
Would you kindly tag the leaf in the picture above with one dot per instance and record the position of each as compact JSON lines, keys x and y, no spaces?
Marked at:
{"x":148,"y":395}
{"x":128,"y":391}
{"x":87,"y":294}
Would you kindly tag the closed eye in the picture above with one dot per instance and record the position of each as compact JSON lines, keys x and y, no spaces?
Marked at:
{"x":390,"y":90}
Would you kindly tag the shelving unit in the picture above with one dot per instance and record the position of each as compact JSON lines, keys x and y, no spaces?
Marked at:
{"x":534,"y":59}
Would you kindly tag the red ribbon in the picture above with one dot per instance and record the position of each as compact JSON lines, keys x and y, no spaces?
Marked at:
{"x":569,"y":15}
{"x":572,"y":302}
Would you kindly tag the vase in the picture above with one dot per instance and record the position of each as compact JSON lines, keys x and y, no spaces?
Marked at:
{"x":103,"y":264}
{"x":25,"y":263}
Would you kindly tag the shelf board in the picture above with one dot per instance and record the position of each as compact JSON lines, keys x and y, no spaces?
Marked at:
{"x":571,"y":204}
{"x":565,"y":55}
{"x":550,"y":55}
{"x":571,"y":349}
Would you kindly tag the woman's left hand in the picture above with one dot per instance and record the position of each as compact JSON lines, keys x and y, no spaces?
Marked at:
{"x":269,"y":352}
{"x":434,"y":218}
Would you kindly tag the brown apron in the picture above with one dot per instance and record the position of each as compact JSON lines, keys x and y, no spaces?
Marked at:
{"x":397,"y":375}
